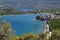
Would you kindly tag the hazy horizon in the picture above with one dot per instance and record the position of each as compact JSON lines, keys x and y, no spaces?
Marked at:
{"x":31,"y":3}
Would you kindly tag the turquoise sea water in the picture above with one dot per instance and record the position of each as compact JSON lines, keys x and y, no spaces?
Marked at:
{"x":25,"y":23}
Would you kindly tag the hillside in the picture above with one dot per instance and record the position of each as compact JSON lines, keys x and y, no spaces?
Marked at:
{"x":33,"y":4}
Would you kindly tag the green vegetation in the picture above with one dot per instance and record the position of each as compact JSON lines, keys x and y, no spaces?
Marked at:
{"x":11,"y":11}
{"x":47,"y":10}
{"x":30,"y":36}
{"x":6,"y":32}
{"x":55,"y":35}
{"x":54,"y":24}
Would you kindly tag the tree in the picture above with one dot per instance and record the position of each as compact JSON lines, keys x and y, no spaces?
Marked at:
{"x":30,"y":36}
{"x":5,"y":30}
{"x":55,"y":35}
{"x":54,"y":24}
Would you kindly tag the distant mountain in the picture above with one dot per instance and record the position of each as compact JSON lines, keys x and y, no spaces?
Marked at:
{"x":33,"y":4}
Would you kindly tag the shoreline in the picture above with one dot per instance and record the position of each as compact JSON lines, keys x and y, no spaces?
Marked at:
{"x":22,"y":14}
{"x":13,"y":14}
